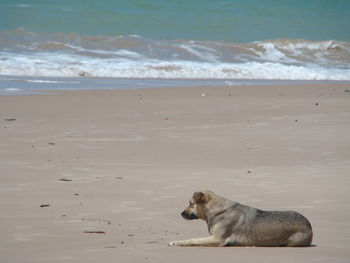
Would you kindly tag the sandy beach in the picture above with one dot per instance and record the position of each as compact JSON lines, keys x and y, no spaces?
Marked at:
{"x":102,"y":176}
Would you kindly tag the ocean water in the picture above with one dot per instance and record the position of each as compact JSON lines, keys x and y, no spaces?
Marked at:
{"x":183,"y":39}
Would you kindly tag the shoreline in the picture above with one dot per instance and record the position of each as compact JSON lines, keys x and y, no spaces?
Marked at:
{"x":104,"y":174}
{"x":23,"y":85}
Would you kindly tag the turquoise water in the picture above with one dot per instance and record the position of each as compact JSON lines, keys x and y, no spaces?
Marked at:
{"x":235,"y":20}
{"x":183,"y":39}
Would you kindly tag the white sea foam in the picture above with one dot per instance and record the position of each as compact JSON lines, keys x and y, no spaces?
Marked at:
{"x":135,"y":57}
{"x":271,"y":52}
{"x":52,"y":81}
{"x":61,"y":65}
{"x":201,"y":52}
{"x":43,"y":81}
{"x":328,"y":53}
{"x":12,"y":90}
{"x":120,"y":52}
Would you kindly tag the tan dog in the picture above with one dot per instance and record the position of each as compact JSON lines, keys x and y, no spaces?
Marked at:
{"x":233,"y":224}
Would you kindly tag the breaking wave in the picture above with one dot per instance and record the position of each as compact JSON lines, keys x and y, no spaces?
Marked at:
{"x":25,"y":53}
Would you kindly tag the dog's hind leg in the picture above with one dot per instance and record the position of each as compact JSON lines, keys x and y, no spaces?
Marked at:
{"x":300,"y":239}
{"x":205,"y":241}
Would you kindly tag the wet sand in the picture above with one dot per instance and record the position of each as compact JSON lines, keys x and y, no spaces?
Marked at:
{"x":89,"y":176}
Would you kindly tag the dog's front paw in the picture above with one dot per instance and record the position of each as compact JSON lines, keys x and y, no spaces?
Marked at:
{"x":173,"y":243}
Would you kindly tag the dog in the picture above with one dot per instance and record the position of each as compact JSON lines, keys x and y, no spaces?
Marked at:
{"x":233,"y":224}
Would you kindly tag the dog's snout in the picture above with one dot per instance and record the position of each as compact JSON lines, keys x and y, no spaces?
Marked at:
{"x":189,"y":216}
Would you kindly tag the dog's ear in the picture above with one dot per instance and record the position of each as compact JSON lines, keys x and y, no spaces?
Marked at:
{"x":200,"y":198}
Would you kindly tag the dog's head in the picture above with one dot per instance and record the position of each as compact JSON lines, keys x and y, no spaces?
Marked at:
{"x":196,"y":208}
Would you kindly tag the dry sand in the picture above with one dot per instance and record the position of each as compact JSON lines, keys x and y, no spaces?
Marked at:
{"x":127,"y":162}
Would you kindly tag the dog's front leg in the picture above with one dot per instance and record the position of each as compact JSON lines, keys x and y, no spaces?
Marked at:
{"x":204,"y":241}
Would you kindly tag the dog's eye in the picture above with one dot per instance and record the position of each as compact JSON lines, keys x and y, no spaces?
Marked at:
{"x":191,"y":202}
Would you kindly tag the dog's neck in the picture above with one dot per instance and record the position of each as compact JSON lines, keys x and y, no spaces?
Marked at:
{"x":215,"y":209}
